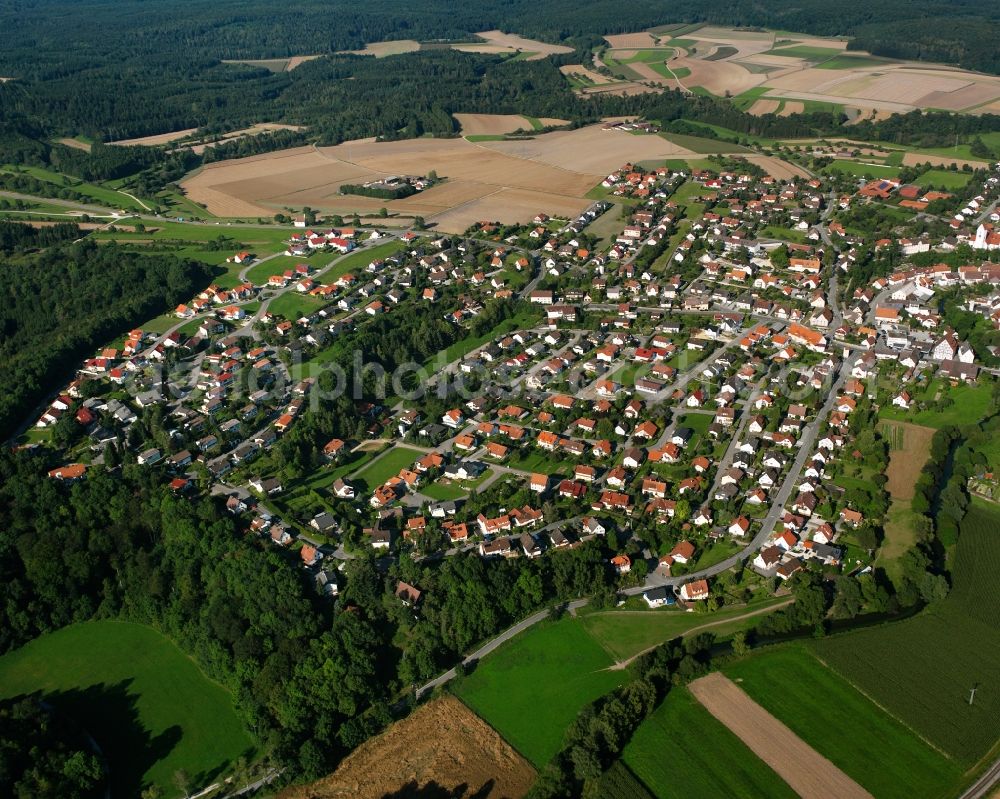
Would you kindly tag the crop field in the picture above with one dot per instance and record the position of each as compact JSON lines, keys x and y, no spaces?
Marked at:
{"x":532,"y":688}
{"x":147,"y":705}
{"x":681,"y":751}
{"x":923,"y":669}
{"x":509,"y":43}
{"x":841,"y":723}
{"x":479,"y":124}
{"x":807,"y":69}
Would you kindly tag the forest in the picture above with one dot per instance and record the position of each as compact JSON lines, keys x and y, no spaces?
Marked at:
{"x":45,"y":756}
{"x":310,"y":681}
{"x":59,"y":305}
{"x":112,"y":71}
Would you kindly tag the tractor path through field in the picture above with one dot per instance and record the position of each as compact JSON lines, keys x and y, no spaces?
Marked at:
{"x":622,"y":664}
{"x":805,"y":770}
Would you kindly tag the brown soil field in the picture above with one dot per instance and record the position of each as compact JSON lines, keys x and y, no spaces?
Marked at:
{"x":968,"y":96}
{"x":382,"y":49}
{"x":442,"y":742}
{"x":763,"y":106}
{"x":912,"y":159}
{"x":75,"y":144}
{"x":805,"y":770}
{"x":718,"y":77}
{"x":769,"y":60}
{"x":633,"y":41}
{"x":298,"y":60}
{"x":263,"y":127}
{"x":509,"y":205}
{"x":792,"y":107}
{"x":553,"y":181}
{"x":776,"y":167}
{"x":478,"y":124}
{"x":514,"y":42}
{"x":906,"y":461}
{"x":580,"y":69}
{"x":159,"y":138}
{"x":590,"y":150}
{"x":727,"y":35}
{"x":622,"y":89}
{"x":274,"y":64}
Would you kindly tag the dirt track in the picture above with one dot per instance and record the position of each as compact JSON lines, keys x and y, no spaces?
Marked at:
{"x":442,"y":742}
{"x":805,"y":770}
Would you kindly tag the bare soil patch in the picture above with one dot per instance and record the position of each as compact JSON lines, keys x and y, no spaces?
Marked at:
{"x":442,"y":742}
{"x":159,"y":138}
{"x":805,"y":770}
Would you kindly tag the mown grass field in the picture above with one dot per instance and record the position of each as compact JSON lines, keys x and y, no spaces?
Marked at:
{"x":839,"y":722}
{"x":943,"y":179}
{"x":682,"y":751}
{"x":923,"y":669}
{"x":862,"y":169}
{"x":532,"y":688}
{"x":147,"y":705}
{"x":627,"y":633}
{"x":387,"y":465}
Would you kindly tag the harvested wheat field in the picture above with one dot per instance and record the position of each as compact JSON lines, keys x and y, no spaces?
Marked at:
{"x":159,"y":138}
{"x":623,"y":89}
{"x":262,"y":127}
{"x":764,"y":106}
{"x":718,"y":77}
{"x":805,"y":770}
{"x":590,"y":150}
{"x":382,"y":49}
{"x":511,"y":42}
{"x":777,"y":168}
{"x":913,"y":159}
{"x":76,"y":144}
{"x":442,"y":742}
{"x":579,"y":69}
{"x":792,"y":107}
{"x":631,"y":41}
{"x":487,"y":124}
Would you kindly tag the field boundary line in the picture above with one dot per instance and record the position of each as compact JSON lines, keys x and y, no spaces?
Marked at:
{"x":879,"y":705}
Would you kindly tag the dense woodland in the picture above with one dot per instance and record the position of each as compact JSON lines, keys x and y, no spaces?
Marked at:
{"x":44,"y":756}
{"x":57,"y":306}
{"x":309,"y":682}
